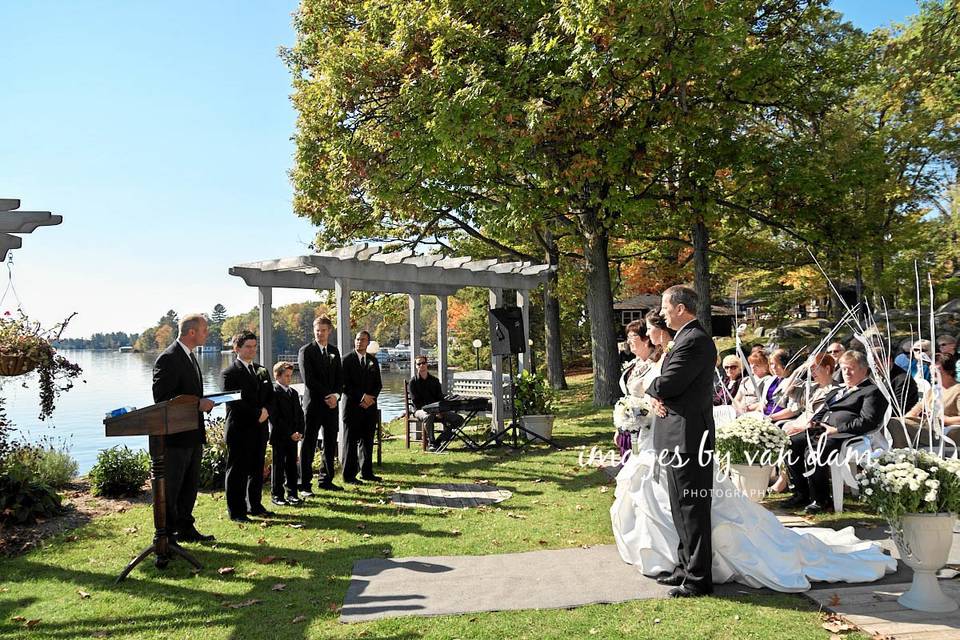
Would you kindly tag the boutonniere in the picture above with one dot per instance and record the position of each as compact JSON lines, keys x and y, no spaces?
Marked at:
{"x":669,"y":346}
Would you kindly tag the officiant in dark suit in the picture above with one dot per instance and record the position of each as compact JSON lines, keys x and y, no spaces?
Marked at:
{"x":361,"y":386}
{"x":322,"y":373}
{"x":855,"y":409}
{"x":247,"y":430}
{"x":176,"y":373}
{"x":683,"y":403}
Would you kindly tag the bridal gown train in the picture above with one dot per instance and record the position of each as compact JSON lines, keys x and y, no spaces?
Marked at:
{"x":750,"y":545}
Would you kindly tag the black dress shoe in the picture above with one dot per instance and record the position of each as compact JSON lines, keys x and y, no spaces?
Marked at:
{"x":240,"y":519}
{"x":280,"y":502}
{"x":263,"y":513}
{"x":294,"y":501}
{"x":795,"y":502}
{"x":329,"y":486}
{"x":815,"y":507}
{"x":372,"y":478}
{"x":672,"y":580}
{"x":686,"y":591}
{"x":351,"y":481}
{"x":193,"y":536}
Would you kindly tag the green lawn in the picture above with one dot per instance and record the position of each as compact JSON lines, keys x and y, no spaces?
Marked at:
{"x":68,"y":584}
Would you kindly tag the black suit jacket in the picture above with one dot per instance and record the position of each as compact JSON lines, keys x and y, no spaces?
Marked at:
{"x":685,"y":385}
{"x":286,"y":414}
{"x":857,"y":413}
{"x":321,"y":377}
{"x":243,"y":415}
{"x":360,"y":377}
{"x":175,"y":375}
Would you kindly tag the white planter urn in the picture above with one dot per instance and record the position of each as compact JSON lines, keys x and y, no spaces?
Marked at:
{"x":751,"y":480}
{"x":925,"y":547}
{"x":540,"y":425}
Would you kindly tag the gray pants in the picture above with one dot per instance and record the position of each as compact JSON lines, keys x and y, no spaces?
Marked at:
{"x":448,"y":419}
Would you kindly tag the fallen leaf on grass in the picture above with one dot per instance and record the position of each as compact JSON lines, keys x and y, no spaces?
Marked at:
{"x":225,"y":571}
{"x":299,"y":619}
{"x":511,"y":514}
{"x":72,"y":538}
{"x":83,"y":594}
{"x":483,"y":482}
{"x":361,"y":526}
{"x":542,"y":542}
{"x":386,"y":552}
{"x":538,"y":480}
{"x":264,"y":524}
{"x":278,"y":587}
{"x":241,"y":605}
{"x":656,"y":621}
{"x":593,"y":632}
{"x":268,"y":559}
{"x":333,"y":606}
{"x":18,"y":619}
{"x":579,"y":507}
{"x":295,"y":525}
{"x":130,"y":530}
{"x":366,"y":536}
{"x":292,"y":562}
{"x":32,"y":623}
{"x":455,"y":532}
{"x":261,"y":540}
{"x":604,"y":489}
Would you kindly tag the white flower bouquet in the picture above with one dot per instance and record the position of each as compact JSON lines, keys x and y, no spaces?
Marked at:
{"x":633,"y":413}
{"x":902,"y":481}
{"x":750,"y":439}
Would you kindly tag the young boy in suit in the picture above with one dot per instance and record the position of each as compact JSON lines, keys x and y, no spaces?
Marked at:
{"x":286,"y":430}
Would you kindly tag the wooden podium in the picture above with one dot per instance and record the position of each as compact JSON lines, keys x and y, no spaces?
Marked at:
{"x":162,"y":419}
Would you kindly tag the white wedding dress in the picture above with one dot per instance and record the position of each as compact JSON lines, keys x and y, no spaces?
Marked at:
{"x":750,"y":545}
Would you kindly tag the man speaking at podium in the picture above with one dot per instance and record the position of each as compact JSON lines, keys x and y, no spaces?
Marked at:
{"x":177,"y":373}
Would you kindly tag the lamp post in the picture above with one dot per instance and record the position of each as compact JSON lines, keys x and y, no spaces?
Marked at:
{"x":476,"y":346}
{"x":533,"y":364}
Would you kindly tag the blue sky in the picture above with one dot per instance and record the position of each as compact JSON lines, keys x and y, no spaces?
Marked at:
{"x":161,"y":133}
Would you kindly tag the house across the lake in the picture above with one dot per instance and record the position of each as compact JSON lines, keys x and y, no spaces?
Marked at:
{"x":636,"y":307}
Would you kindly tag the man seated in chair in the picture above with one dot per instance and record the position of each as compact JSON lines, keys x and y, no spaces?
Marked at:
{"x":855,"y":409}
{"x":425,"y":389}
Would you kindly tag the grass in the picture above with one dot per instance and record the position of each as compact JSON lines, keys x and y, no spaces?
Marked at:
{"x":68,"y":584}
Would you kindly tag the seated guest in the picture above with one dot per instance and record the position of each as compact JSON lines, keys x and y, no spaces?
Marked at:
{"x":748,"y":395}
{"x":855,"y":409}
{"x":757,"y":348}
{"x":777,"y":393}
{"x":821,"y":371}
{"x":946,"y":344}
{"x":425,"y":389}
{"x":949,"y":399}
{"x":286,"y":430}
{"x":726,"y":389}
{"x":246,"y":430}
{"x":835,"y":350}
{"x":625,"y":354}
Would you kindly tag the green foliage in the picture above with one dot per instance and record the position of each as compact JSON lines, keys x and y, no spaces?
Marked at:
{"x":44,"y":463}
{"x":905,"y":481}
{"x":120,"y":471}
{"x":532,"y":395}
{"x":106,"y":341}
{"x":213,"y":464}
{"x":24,"y":499}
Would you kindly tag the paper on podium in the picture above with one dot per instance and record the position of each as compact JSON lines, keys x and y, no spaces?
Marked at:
{"x":220,"y":398}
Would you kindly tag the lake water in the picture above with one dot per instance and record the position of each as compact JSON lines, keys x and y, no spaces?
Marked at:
{"x":112,"y":380}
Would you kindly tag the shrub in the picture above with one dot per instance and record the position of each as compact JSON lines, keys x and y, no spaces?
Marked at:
{"x":532,"y":395}
{"x":119,"y":471}
{"x":44,"y":463}
{"x":213,"y":464}
{"x":23,"y":500}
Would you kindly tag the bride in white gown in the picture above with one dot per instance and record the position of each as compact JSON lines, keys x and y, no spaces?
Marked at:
{"x":750,"y":545}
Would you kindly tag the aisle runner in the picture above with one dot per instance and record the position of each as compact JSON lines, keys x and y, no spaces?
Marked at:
{"x":432,"y":586}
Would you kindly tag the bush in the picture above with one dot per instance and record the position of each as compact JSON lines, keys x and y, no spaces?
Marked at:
{"x":532,"y":395}
{"x":23,"y":500}
{"x":119,"y":471}
{"x":44,"y":463}
{"x":213,"y":464}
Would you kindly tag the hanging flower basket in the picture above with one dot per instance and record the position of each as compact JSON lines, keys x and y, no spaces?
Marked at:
{"x":16,"y":364}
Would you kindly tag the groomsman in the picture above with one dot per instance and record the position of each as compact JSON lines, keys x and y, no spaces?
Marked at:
{"x":177,"y":373}
{"x":246,"y":431}
{"x":322,"y":374}
{"x":286,"y":430}
{"x":361,"y":385}
{"x":683,"y":403}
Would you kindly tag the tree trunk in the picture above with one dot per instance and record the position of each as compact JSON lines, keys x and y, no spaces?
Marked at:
{"x":551,"y":321}
{"x":701,"y":270}
{"x":606,"y":363}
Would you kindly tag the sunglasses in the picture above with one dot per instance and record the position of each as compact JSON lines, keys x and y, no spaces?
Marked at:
{"x":421,"y":364}
{"x":730,"y":366}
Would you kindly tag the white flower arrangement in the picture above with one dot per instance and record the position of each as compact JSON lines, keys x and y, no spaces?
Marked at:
{"x":633,"y":413}
{"x":902,"y":481}
{"x":750,"y":439}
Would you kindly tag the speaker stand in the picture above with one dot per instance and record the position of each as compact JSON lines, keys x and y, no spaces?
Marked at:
{"x":515,"y":435}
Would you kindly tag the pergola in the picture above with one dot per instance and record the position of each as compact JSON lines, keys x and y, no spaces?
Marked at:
{"x":367,"y":267}
{"x":12,"y":221}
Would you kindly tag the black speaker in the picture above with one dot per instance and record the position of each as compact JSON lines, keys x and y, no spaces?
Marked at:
{"x":506,"y":331}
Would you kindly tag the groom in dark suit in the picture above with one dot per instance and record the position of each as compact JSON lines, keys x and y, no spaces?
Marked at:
{"x":322,"y":373}
{"x":361,"y":386}
{"x":177,"y":373}
{"x":683,"y":403}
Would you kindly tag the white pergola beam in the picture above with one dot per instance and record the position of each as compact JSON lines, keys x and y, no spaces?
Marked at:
{"x":496,"y":371}
{"x":341,"y":293}
{"x":8,"y":242}
{"x":26,"y":221}
{"x":442,"y":373}
{"x":266,"y":328}
{"x":413,"y":306}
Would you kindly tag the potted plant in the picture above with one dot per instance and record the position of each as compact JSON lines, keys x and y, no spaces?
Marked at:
{"x":919,"y":495}
{"x":748,"y":447}
{"x":533,"y":401}
{"x":25,"y":347}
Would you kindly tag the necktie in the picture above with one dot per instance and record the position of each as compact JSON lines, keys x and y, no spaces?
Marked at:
{"x":252,"y":372}
{"x":196,"y":366}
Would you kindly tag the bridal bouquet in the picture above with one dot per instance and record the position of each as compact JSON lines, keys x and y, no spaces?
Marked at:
{"x":750,"y":439}
{"x":904,"y":481}
{"x":632,"y":413}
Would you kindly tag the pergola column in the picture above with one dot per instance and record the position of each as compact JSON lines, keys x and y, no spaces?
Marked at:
{"x":442,"y":372}
{"x":341,"y":293}
{"x":413,"y":304}
{"x":523,"y":301}
{"x":496,"y":371}
{"x":266,"y":327}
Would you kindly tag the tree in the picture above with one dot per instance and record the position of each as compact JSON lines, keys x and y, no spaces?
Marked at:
{"x":215,"y":335}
